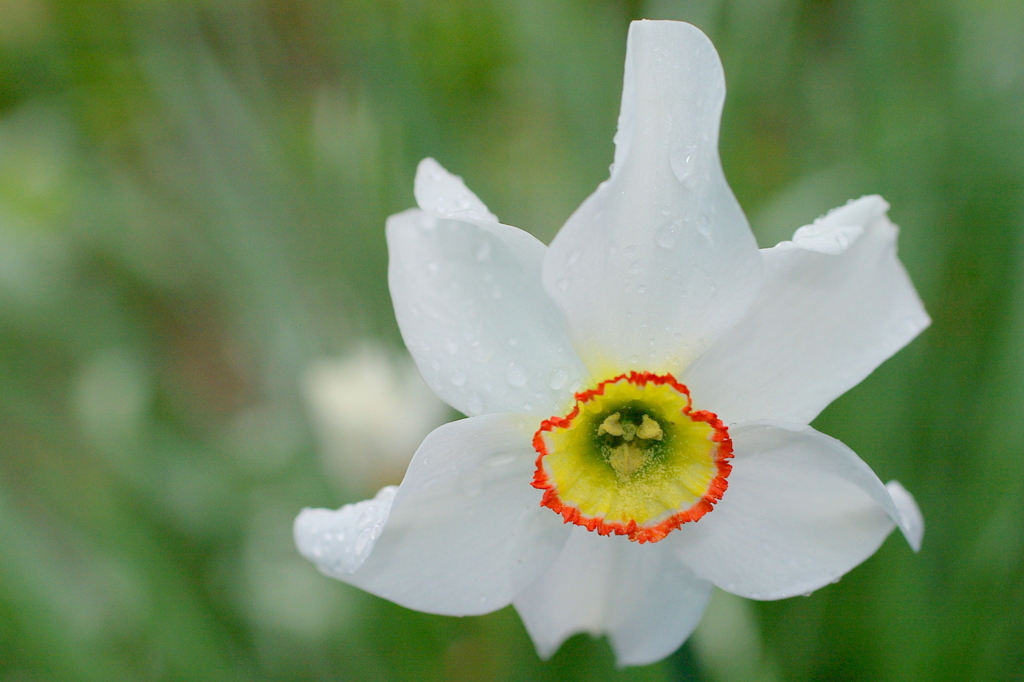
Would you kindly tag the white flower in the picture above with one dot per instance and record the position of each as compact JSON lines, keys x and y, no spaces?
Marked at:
{"x":650,"y":368}
{"x":353,"y":400}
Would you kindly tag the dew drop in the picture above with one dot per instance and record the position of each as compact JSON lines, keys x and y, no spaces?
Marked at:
{"x":634,"y":359}
{"x":635,"y":268}
{"x":451,"y":346}
{"x":483,"y":251}
{"x":667,"y":235}
{"x":436,"y":365}
{"x":563,"y":284}
{"x":458,"y":378}
{"x":481,"y":354}
{"x":433,"y":268}
{"x":573,"y":257}
{"x":501,"y":461}
{"x":704,"y":225}
{"x":683,"y":159}
{"x":475,"y":404}
{"x":515,"y":375}
{"x":558,"y":378}
{"x":641,"y":289}
{"x":513,"y":342}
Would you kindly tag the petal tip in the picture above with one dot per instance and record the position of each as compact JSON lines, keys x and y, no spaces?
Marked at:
{"x":339,"y":541}
{"x":445,"y":195}
{"x":658,"y":28}
{"x":910,"y":520}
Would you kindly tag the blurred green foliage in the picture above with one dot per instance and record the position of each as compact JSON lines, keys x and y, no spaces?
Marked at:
{"x":192,"y":199}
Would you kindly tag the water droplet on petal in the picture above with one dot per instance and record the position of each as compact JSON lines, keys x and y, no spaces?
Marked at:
{"x":475,"y":404}
{"x":515,"y":375}
{"x":704,"y":225}
{"x":483,"y":251}
{"x":563,"y":284}
{"x":573,"y":257}
{"x":433,"y":268}
{"x":641,"y":289}
{"x":558,"y":378}
{"x":635,"y":267}
{"x":683,"y":159}
{"x":481,"y":354}
{"x":451,"y":346}
{"x":634,"y":359}
{"x":513,"y":342}
{"x":668,"y":234}
{"x":458,"y":378}
{"x":436,"y":365}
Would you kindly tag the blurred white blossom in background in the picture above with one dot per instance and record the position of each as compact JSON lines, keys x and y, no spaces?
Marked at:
{"x":370,"y":411}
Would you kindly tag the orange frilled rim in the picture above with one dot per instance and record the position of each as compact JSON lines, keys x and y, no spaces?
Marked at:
{"x":637,"y":532}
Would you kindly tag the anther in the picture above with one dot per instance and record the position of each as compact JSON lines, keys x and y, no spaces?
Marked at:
{"x":649,"y":429}
{"x":612,"y":426}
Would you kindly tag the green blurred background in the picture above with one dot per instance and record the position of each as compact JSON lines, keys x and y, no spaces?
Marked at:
{"x":196,"y":337}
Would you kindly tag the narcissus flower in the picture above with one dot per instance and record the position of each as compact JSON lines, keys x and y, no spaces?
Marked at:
{"x":639,"y":391}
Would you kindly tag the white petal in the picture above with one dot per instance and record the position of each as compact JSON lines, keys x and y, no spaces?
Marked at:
{"x":801,"y":510}
{"x":474,"y":315}
{"x":444,"y":195}
{"x":466,"y":532}
{"x":660,"y":260}
{"x":339,"y":541}
{"x":641,"y":596}
{"x":911,"y":520}
{"x":836,"y":303}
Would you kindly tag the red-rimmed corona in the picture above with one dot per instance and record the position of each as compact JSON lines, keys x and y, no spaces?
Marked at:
{"x":633,"y":458}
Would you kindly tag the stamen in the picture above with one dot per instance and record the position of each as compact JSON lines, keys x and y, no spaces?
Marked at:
{"x":612,"y":426}
{"x":650,"y":429}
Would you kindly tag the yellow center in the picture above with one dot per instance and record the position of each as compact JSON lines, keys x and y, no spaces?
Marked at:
{"x":633,"y":458}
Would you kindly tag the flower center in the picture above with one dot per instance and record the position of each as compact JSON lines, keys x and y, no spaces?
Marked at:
{"x":633,"y":458}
